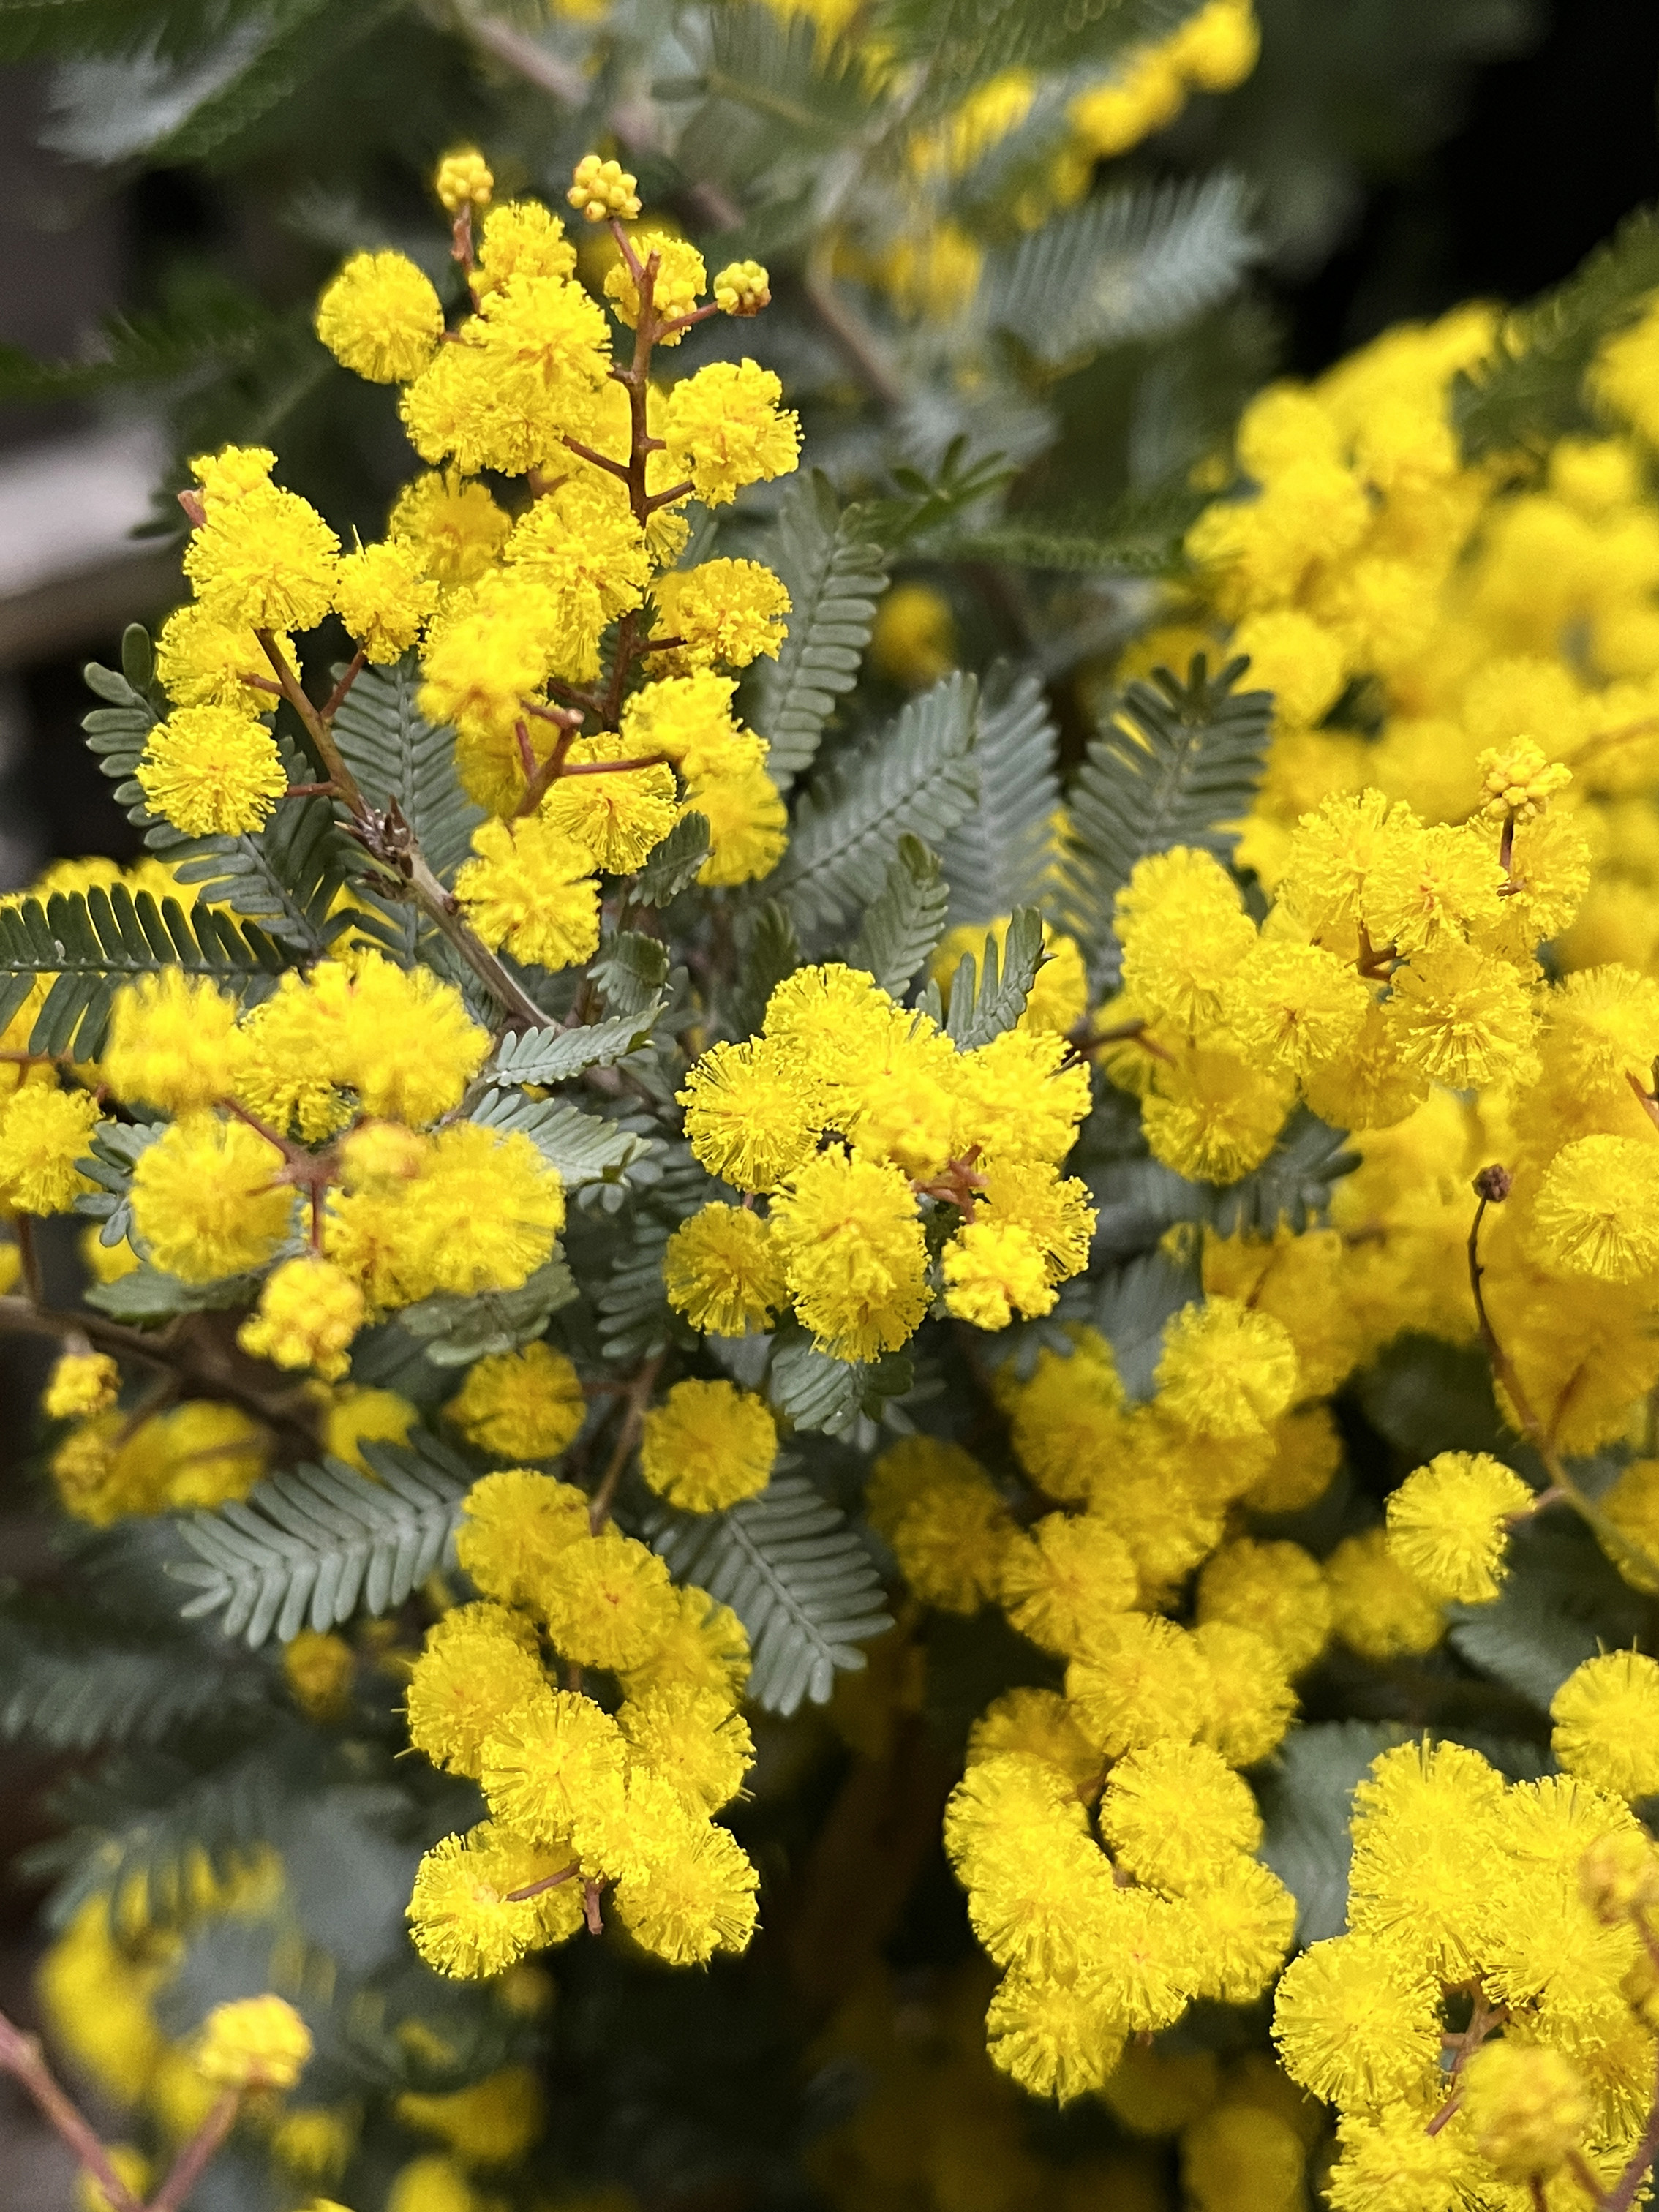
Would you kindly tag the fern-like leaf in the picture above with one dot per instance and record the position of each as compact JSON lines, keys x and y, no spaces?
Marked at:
{"x":1292,"y":1185}
{"x":311,"y":1545}
{"x":671,"y":865}
{"x":1529,"y":391}
{"x":915,"y":776}
{"x":92,"y":942}
{"x":988,"y":996}
{"x":997,"y":856}
{"x":454,"y":1331}
{"x":834,"y":574}
{"x":904,"y":924}
{"x":796,"y":1574}
{"x":549,"y":1056}
{"x":76,"y":1682}
{"x":582,"y":1147}
{"x":771,"y":950}
{"x":1136,"y":263}
{"x":1175,"y":764}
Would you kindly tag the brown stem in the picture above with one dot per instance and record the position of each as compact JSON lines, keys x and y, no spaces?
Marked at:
{"x":321,"y":736}
{"x":440,"y":907}
{"x":859,"y":345}
{"x":540,"y":780}
{"x":197,"y":2154}
{"x":1588,"y":2179}
{"x":1506,"y":843}
{"x":1084,"y":1042}
{"x":538,"y":1888}
{"x":592,"y":1891}
{"x":599,"y":460}
{"x":29,"y":1252}
{"x":312,"y":791}
{"x":638,"y":1397}
{"x":667,"y":498}
{"x":21,"y":2057}
{"x":354,"y":668}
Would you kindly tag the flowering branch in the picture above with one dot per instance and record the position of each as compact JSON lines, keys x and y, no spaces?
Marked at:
{"x":21,"y":2057}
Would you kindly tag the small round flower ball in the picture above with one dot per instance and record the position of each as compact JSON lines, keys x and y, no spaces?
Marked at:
{"x":708,"y":1445}
{"x":318,"y":1668}
{"x":720,"y":1271}
{"x":1607,"y":1723}
{"x":1526,"y":2105}
{"x":1227,"y":1371}
{"x":530,"y":890}
{"x":308,"y":1312}
{"x":519,"y":1405}
{"x":43,"y":1133}
{"x":463,"y":179}
{"x":1597,"y":1209}
{"x":1448,"y":1525}
{"x":678,"y":279}
{"x":255,"y":2043}
{"x":384,"y":596}
{"x":514,"y":1524}
{"x":1377,"y":1608}
{"x":380,"y":318}
{"x":80,"y":1383}
{"x":1176,"y":1816}
{"x":212,"y":771}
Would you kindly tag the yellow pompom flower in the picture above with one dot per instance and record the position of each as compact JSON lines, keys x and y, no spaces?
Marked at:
{"x":914,"y":638}
{"x":206,"y":1202}
{"x":679,"y":282}
{"x":1356,"y":2023}
{"x":254,"y":2043}
{"x":1037,"y":1723}
{"x":704,"y":1646}
{"x":603,"y":188}
{"x":1250,"y":1703}
{"x":513,"y":1526}
{"x":319,"y":1669}
{"x":1527,"y":2106}
{"x":1141,"y":1680}
{"x":384,"y":596}
{"x":724,"y":429}
{"x":616,"y":817}
{"x":203,"y":663}
{"x":267,"y":560}
{"x":1597,"y":1209}
{"x":748,"y":1117}
{"x":1460,"y":1017}
{"x":720,"y":1271}
{"x":212,"y":771}
{"x":694,"y":1896}
{"x":232,"y":472}
{"x":519,"y":1405}
{"x":1377,"y":1608}
{"x":545,"y":1759}
{"x":173,"y":1039}
{"x":854,"y":1257}
{"x":463,"y":179}
{"x":708,"y":1445}
{"x":1448,"y":1525}
{"x":1212,"y":1117}
{"x":695,"y":1738}
{"x":43,"y":1133}
{"x":731,"y":612}
{"x":381,"y":319}
{"x":493,"y":2121}
{"x":475,"y":1670}
{"x":463,"y":1917}
{"x":455,"y":526}
{"x":1064,"y":1579}
{"x":1607,"y":1723}
{"x":608,"y":1602}
{"x":748,"y":825}
{"x":80,"y":1383}
{"x":521,"y":238}
{"x":1057,"y":2038}
{"x":1293,"y":1006}
{"x":1175,"y":1816}
{"x":1276,"y":1588}
{"x":742,"y":288}
{"x":994,"y":1269}
{"x":1226,"y":1370}
{"x":530,"y":890}
{"x":308,"y":1315}
{"x":1242,"y":1922}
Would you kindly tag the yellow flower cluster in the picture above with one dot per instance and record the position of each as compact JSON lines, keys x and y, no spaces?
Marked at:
{"x":1487,"y":2022}
{"x":583,"y":1802}
{"x":865,"y":1125}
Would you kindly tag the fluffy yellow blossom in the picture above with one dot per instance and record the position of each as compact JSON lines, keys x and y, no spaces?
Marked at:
{"x":454,"y":526}
{"x":914,"y":638}
{"x":212,"y":771}
{"x":1597,"y":1209}
{"x":43,"y":1133}
{"x":1276,"y":1588}
{"x":1226,"y":1370}
{"x":530,"y":890}
{"x":1528,"y":2107}
{"x":748,"y":1116}
{"x":616,"y":817}
{"x":464,"y":1919}
{"x":1377,"y":1608}
{"x":203,"y":663}
{"x":708,"y":1445}
{"x":384,"y":596}
{"x":731,"y":611}
{"x":1061,"y":1582}
{"x":693,"y":1736}
{"x":519,"y":1405}
{"x":1355,"y":2022}
{"x":308,"y":1315}
{"x":380,"y":319}
{"x":677,"y":285}
{"x":80,"y":1383}
{"x":850,"y":1237}
{"x":608,"y":1602}
{"x":1606,"y":1715}
{"x":1448,"y":1525}
{"x":475,"y":1668}
{"x":319,"y":1669}
{"x":266,"y":560}
{"x":256,"y":2043}
{"x":514,"y":1525}
{"x":724,"y":429}
{"x":206,"y":1199}
{"x":720,"y":1271}
{"x":172,"y":1041}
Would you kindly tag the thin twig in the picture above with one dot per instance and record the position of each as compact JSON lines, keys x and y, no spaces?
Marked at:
{"x":21,"y":2057}
{"x":197,"y":2154}
{"x":632,"y":1420}
{"x":537,"y":1888}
